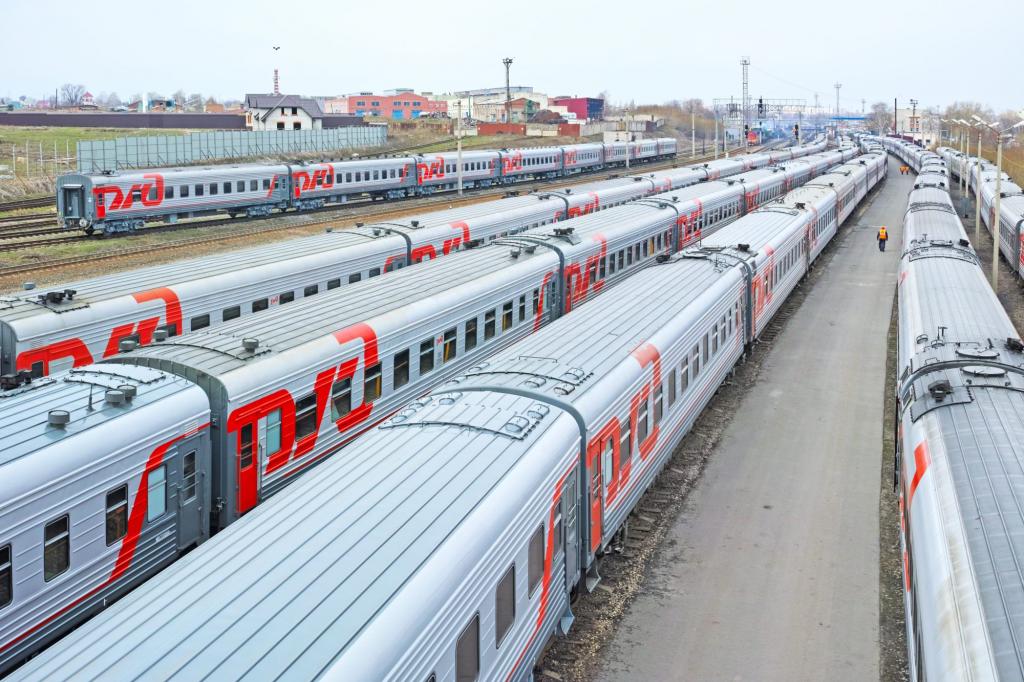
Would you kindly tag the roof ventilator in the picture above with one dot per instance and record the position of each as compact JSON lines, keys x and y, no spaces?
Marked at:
{"x":114,"y":397}
{"x":159,"y":335}
{"x":743,"y":247}
{"x":250,"y":344}
{"x":127,"y":345}
{"x":1014,"y":345}
{"x":129,"y":391}
{"x":58,"y":418}
{"x":940,"y":389}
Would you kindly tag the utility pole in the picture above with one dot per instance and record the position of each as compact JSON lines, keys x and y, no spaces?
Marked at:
{"x":625,"y":124}
{"x":996,"y":227}
{"x":745,"y":62}
{"x":716,"y":134}
{"x":977,"y":194}
{"x":913,"y":117}
{"x":863,"y":103}
{"x":837,"y":86}
{"x":458,"y":144}
{"x":895,"y":116}
{"x":507,"y":61}
{"x":693,"y":134}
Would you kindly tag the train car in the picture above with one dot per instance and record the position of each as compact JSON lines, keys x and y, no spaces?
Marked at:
{"x":960,"y":407}
{"x":447,"y":543}
{"x":366,"y":350}
{"x":534,"y":162}
{"x":124,"y":201}
{"x":314,"y":185}
{"x":981,"y":178}
{"x":79,"y":322}
{"x":104,"y":478}
{"x":581,"y":157}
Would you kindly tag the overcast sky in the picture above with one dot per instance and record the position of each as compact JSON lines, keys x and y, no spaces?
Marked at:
{"x":649,"y":52}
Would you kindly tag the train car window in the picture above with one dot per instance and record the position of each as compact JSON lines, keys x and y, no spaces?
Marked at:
{"x":305,"y":416}
{"x":471,"y":334}
{"x":645,"y":250}
{"x":188,"y":475}
{"x":659,"y":404}
{"x":376,"y":175}
{"x":273,"y":430}
{"x":506,"y":316}
{"x":260,"y":304}
{"x":714,"y":339}
{"x":286,"y":297}
{"x":117,"y":514}
{"x":611,"y":264}
{"x":374,"y":272}
{"x":522,"y":307}
{"x":169,"y":192}
{"x":400,"y":374}
{"x":199,"y":190}
{"x":213,"y":188}
{"x":449,"y":350}
{"x":333,"y":284}
{"x":601,"y":270}
{"x":348,"y":177}
{"x":245,"y":447}
{"x":721,"y":332}
{"x":504,"y":605}
{"x":341,"y":398}
{"x":535,"y":567}
{"x":183,"y":191}
{"x":240,"y":186}
{"x":199,"y":322}
{"x":704,"y":345}
{"x":641,"y":423}
{"x":231,"y":313}
{"x":607,"y":464}
{"x":629,"y":256}
{"x":426,"y":356}
{"x":311,"y":290}
{"x":372,"y":384}
{"x":592,"y":274}
{"x":56,"y":548}
{"x":671,"y":386}
{"x":227,"y":187}
{"x":467,"y":652}
{"x":156,"y":500}
{"x":152,"y":193}
{"x":636,"y":249}
{"x":266,"y":183}
{"x":536,"y":301}
{"x":696,"y":361}
{"x":6,"y":577}
{"x":354,"y":278}
{"x":489,"y":324}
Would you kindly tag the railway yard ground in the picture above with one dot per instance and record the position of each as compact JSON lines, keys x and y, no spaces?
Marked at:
{"x":757,"y":554}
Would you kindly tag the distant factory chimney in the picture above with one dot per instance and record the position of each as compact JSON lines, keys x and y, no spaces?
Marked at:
{"x":277,"y":84}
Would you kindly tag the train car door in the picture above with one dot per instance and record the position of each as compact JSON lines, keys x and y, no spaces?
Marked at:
{"x":595,"y":493}
{"x":72,"y":201}
{"x":191,"y":455}
{"x":570,"y":497}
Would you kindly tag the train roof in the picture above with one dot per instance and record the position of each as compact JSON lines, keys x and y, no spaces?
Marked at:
{"x":296,"y":585}
{"x":218,"y":350}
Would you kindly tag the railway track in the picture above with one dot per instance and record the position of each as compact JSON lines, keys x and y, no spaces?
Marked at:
{"x":37,"y":202}
{"x":325,"y":216}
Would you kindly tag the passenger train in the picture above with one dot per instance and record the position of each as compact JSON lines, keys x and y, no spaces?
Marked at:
{"x":124,"y":201}
{"x":446,"y":543}
{"x":358,"y":353}
{"x":1011,"y":202}
{"x":54,"y":328}
{"x":960,"y":396}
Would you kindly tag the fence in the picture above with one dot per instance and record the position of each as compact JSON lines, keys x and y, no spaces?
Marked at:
{"x":167,"y":150}
{"x":37,"y":159}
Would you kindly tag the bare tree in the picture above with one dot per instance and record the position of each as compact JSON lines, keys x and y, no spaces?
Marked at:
{"x":113,"y":100}
{"x":195,"y":101}
{"x":180,"y":99}
{"x":880,"y":118}
{"x":71,"y":94}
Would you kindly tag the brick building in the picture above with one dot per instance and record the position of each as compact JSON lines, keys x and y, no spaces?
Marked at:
{"x":401,"y":105}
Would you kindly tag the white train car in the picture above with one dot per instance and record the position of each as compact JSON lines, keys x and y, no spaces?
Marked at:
{"x":447,"y":543}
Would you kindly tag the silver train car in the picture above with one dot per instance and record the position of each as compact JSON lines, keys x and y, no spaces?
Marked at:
{"x":1011,"y":203}
{"x":961,"y":425}
{"x":358,"y":353}
{"x":125,"y":201}
{"x":77,"y":323}
{"x":447,"y":543}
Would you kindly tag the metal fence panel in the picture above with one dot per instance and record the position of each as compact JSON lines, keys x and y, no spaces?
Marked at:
{"x":172,"y":150}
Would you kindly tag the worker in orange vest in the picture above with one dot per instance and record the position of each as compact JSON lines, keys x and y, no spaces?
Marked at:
{"x":883,"y":237}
